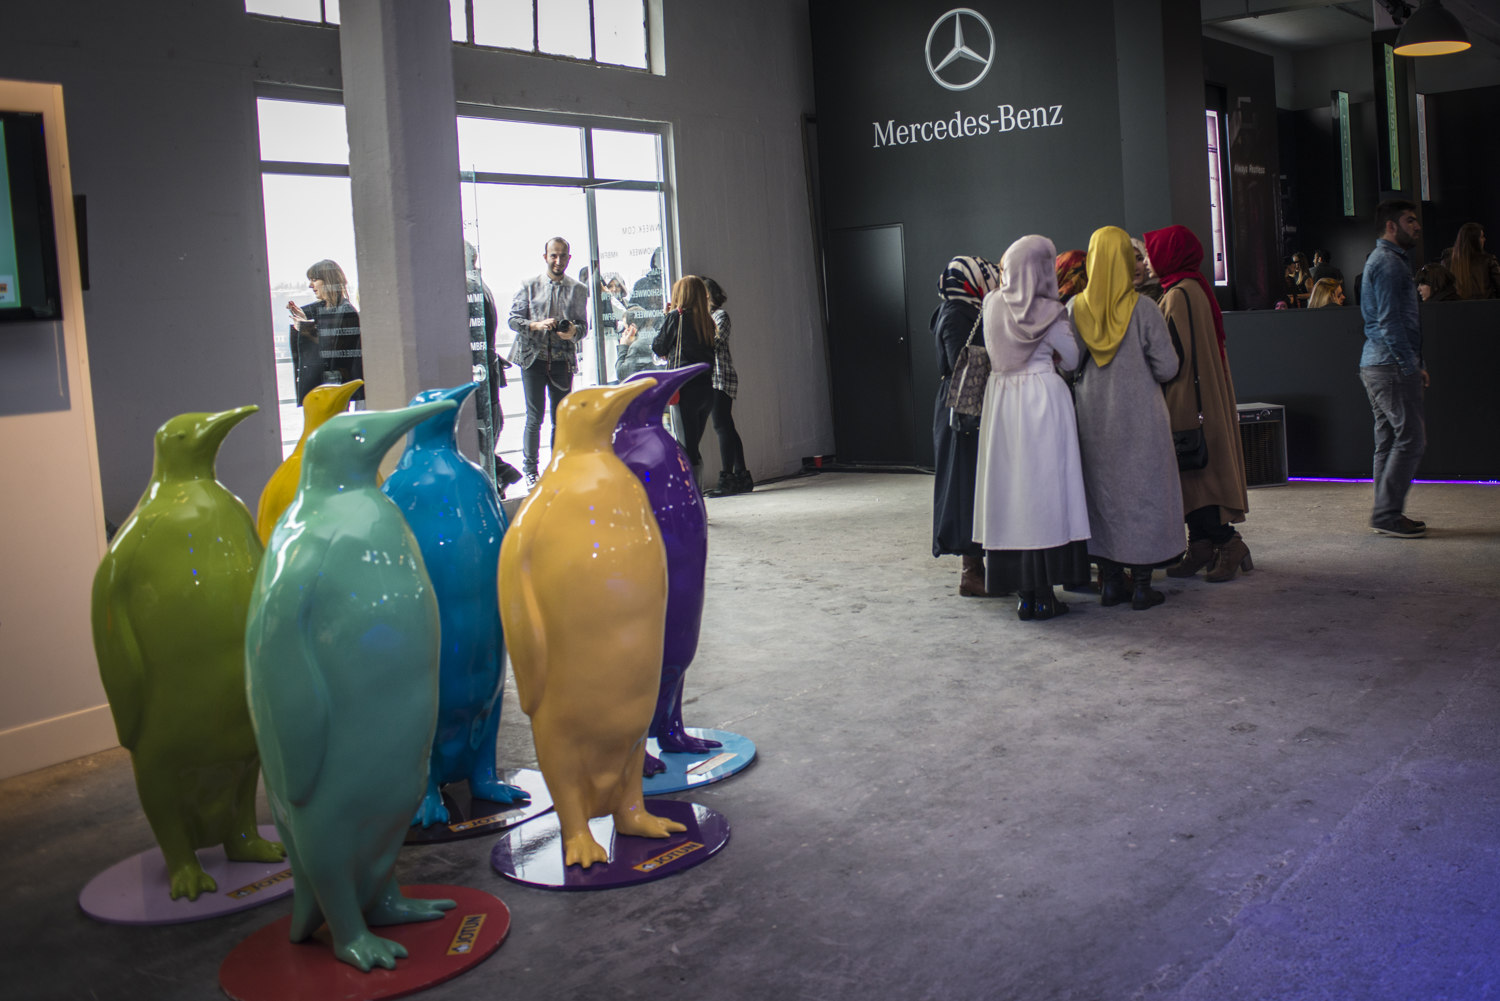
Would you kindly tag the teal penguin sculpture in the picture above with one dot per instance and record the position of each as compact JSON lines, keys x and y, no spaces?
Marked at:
{"x":342,"y":672}
{"x":169,"y":605}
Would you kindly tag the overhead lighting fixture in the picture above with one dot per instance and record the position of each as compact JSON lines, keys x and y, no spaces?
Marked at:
{"x":1431,"y":31}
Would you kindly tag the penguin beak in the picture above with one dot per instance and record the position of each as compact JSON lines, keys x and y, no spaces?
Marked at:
{"x":458,"y":394}
{"x":615,"y":399}
{"x":671,"y":382}
{"x":216,"y":427}
{"x":383,"y":428}
{"x":346,"y":393}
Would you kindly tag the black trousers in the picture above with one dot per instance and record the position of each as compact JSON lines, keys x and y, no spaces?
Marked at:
{"x":695,"y":403}
{"x":731,"y":449}
{"x":1204,"y":523}
{"x":541,"y":382}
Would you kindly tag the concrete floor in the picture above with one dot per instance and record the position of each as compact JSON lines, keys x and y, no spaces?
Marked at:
{"x":1282,"y":787}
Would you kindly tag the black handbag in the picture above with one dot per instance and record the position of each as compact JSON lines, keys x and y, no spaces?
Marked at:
{"x":1191,"y":445}
{"x":966,"y":384}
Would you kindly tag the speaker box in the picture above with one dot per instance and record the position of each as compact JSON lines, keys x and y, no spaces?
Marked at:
{"x":1263,"y":439}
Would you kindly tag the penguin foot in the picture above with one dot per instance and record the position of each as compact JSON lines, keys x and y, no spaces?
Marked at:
{"x":368,"y":949}
{"x":582,"y":850}
{"x":651,"y":766}
{"x":190,"y":880}
{"x":256,"y":849}
{"x":678,"y":742}
{"x":401,"y":910}
{"x":646,"y":825}
{"x":431,"y":810}
{"x":498,"y":792}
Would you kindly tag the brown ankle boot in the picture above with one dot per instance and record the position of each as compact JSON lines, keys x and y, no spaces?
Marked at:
{"x":1229,"y":559}
{"x":1200,"y":553}
{"x":971,"y":583}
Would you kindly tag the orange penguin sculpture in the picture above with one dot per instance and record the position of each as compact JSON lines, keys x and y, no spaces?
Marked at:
{"x":583,"y":600}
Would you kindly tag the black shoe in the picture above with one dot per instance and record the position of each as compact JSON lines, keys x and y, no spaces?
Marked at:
{"x":1113,"y":588}
{"x":506,"y":473}
{"x":1144,"y":596}
{"x":1403,"y":528}
{"x":531,"y":479}
{"x":743,"y":484}
{"x":725,"y":488}
{"x":1026,"y":607}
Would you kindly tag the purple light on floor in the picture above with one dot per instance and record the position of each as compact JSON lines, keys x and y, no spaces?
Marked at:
{"x":1340,"y":479}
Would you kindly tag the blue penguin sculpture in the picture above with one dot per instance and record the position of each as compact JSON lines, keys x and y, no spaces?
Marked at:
{"x":661,"y":465}
{"x":454,"y":511}
{"x":342,"y":674}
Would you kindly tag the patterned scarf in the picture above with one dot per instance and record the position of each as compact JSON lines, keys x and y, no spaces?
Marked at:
{"x":968,"y":279}
{"x":1072,"y":276}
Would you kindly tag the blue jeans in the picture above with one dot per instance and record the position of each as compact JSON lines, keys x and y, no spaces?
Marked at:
{"x":542,"y":384}
{"x":1400,"y":437}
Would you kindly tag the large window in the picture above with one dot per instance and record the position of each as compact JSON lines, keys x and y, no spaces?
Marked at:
{"x":610,"y":32}
{"x":1217,"y":218}
{"x":598,"y":183}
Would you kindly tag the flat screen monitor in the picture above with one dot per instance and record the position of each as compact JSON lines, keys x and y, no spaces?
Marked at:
{"x":29,"y":284}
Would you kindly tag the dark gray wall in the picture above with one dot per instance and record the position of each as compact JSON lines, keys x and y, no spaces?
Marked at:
{"x":161,"y":118}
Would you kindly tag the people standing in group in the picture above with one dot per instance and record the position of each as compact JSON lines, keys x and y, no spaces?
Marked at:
{"x":734,"y":475}
{"x":1030,"y":511}
{"x":687,"y":338}
{"x":1391,"y":367}
{"x":1326,"y":292}
{"x":1145,"y":280}
{"x":550,"y":317}
{"x":1296,"y":280}
{"x":1214,"y":498}
{"x":1323,"y":268}
{"x":1125,"y":439}
{"x":1476,"y":273}
{"x":962,"y":287}
{"x":325,"y":341}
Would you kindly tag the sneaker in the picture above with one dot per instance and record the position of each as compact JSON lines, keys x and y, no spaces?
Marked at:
{"x":1404,"y":528}
{"x":531,"y":479}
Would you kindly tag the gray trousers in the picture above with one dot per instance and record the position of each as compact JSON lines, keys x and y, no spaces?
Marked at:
{"x":1400,"y":437}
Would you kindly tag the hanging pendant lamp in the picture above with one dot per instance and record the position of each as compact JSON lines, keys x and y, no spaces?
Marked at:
{"x":1431,"y":31}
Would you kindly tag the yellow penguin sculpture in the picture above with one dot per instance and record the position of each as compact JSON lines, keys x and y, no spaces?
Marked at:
{"x":583,"y":600}
{"x":321,"y":403}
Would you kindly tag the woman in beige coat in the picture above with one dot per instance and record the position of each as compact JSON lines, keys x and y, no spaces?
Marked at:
{"x":1213,"y":498}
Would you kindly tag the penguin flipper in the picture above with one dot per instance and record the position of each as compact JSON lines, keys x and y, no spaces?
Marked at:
{"x":298,"y":712}
{"x":121,"y":666}
{"x":527,"y":638}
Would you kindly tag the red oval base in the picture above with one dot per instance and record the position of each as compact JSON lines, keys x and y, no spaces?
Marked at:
{"x":268,"y":967}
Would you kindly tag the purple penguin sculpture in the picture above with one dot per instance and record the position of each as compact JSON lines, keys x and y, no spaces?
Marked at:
{"x":654,"y":456}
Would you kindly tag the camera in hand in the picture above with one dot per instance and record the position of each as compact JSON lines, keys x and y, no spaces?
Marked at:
{"x":563,"y":326}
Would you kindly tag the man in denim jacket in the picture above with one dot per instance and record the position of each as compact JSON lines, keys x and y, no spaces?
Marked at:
{"x":550,"y":316}
{"x":1391,"y":367}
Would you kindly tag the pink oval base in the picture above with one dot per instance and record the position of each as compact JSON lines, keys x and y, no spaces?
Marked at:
{"x":268,"y":967}
{"x":136,"y":891}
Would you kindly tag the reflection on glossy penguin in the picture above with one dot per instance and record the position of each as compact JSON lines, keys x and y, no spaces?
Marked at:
{"x":342,"y":664}
{"x":169,"y":606}
{"x":321,"y":403}
{"x":583,"y":594}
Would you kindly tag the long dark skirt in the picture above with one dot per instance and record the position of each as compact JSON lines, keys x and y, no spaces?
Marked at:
{"x":956,"y":457}
{"x":1007,"y":571}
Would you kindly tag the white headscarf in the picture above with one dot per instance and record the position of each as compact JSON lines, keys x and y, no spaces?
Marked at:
{"x":1018,"y":315}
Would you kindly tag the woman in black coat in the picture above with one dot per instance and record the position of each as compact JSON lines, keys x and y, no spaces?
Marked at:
{"x":963,"y":286}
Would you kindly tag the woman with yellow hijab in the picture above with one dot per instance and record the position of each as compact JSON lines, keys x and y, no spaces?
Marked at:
{"x":1124,"y":437}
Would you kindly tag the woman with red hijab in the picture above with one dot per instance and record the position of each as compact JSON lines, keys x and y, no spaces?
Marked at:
{"x":1214,"y":498}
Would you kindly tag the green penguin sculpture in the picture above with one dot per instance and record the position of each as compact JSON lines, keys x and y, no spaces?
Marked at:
{"x":342,"y":670}
{"x":169,"y":605}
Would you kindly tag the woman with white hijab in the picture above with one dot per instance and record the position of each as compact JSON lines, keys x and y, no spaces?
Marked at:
{"x":1030,"y":510}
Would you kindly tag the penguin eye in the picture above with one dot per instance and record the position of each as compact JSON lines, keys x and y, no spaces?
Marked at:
{"x":359,"y":435}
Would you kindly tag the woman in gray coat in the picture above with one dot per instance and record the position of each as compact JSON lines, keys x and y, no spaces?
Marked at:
{"x":1124,"y":437}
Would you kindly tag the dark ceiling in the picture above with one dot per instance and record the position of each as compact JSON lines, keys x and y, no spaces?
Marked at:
{"x":1298,"y":25}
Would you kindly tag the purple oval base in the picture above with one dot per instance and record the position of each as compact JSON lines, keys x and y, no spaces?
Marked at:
{"x":137,"y":890}
{"x":686,"y":771}
{"x":470,"y":818}
{"x":532,"y":853}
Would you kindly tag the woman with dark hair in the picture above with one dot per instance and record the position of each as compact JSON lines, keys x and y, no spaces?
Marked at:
{"x":963,"y":285}
{"x":1435,"y":284}
{"x":1476,"y":273}
{"x":687,"y":338}
{"x":734,"y":477}
{"x":1326,"y":292}
{"x":1214,"y":498}
{"x":1030,"y":513}
{"x":1146,"y":280}
{"x":325,"y":339}
{"x":1124,"y":436}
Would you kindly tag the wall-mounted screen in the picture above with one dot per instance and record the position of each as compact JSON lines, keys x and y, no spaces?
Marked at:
{"x":29,"y":285}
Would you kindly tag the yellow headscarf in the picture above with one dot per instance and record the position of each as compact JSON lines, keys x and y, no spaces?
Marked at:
{"x":1102,"y":310}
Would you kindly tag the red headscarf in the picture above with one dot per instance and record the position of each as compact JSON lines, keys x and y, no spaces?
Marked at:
{"x":1176,"y":254}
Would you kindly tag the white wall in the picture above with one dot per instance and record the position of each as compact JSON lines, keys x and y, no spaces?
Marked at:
{"x":161,"y":105}
{"x":52,"y":704}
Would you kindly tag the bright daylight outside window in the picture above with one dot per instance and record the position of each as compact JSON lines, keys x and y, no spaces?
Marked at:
{"x":611,"y":32}
{"x":598,"y":183}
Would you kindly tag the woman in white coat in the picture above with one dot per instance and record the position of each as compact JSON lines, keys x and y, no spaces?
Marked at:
{"x":1030,"y":511}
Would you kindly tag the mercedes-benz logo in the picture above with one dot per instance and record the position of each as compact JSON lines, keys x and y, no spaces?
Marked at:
{"x":960,"y":52}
